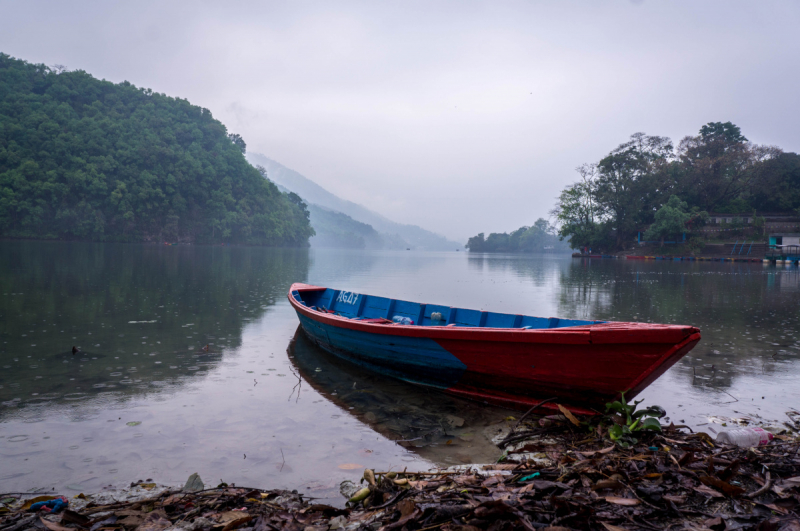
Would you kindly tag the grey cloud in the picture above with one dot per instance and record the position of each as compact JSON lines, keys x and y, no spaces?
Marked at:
{"x":463,"y":117}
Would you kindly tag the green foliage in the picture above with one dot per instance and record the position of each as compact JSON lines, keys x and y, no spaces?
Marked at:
{"x":718,"y":170}
{"x":525,"y":239}
{"x":627,"y":420}
{"x":778,"y":190}
{"x":578,"y":214}
{"x":670,"y":220}
{"x":694,"y":245}
{"x":632,"y":181}
{"x":86,"y":159}
{"x":726,"y":132}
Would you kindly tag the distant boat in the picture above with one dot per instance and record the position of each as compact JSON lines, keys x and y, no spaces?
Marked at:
{"x":505,"y":359}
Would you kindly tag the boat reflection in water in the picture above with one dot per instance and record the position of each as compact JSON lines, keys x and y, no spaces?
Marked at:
{"x":437,"y":427}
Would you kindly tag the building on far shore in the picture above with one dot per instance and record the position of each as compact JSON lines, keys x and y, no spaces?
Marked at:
{"x":772,"y":220}
{"x":784,"y":238}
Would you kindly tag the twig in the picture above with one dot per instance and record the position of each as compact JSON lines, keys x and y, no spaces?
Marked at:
{"x":562,"y":518}
{"x":730,"y":395}
{"x":284,"y":460}
{"x":520,"y":437}
{"x":421,"y":473}
{"x":403,"y":494}
{"x":408,"y":440}
{"x":641,"y":524}
{"x":766,"y":447}
{"x":523,"y":417}
{"x":639,"y":498}
{"x":762,"y":490}
{"x":298,"y":386}
{"x":21,"y":524}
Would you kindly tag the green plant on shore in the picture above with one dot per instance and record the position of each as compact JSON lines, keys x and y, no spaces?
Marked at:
{"x":627,"y":420}
{"x":694,"y":245}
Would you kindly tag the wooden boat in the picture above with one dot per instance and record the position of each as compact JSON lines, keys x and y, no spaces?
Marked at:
{"x":510,"y":360}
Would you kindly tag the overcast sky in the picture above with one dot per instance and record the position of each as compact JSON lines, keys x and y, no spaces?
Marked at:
{"x":461,"y":117}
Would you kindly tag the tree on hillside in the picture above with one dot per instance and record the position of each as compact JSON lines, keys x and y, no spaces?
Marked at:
{"x":238,"y":141}
{"x":778,"y":186}
{"x":631,"y":181}
{"x":301,"y":205}
{"x":476,"y":243}
{"x":670,"y":220}
{"x":720,"y":165}
{"x":577,"y":213}
{"x":86,"y":159}
{"x":536,"y":237}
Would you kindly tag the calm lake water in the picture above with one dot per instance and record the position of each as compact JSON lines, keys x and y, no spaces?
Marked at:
{"x":261,"y":406}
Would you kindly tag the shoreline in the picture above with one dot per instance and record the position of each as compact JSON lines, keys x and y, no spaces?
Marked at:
{"x":557,"y":472}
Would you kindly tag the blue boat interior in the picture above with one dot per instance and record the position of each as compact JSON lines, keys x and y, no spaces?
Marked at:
{"x":359,"y":306}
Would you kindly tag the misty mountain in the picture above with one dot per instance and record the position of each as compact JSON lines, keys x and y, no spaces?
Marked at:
{"x":335,"y":229}
{"x":311,"y":192}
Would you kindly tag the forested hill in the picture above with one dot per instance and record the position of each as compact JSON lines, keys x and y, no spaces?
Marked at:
{"x":86,"y":159}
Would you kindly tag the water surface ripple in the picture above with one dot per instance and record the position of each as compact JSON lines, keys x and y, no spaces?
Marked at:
{"x":190,"y":359}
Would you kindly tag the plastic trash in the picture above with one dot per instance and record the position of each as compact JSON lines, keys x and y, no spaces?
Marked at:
{"x":745,"y":437}
{"x":399,"y":319}
{"x":51,"y":506}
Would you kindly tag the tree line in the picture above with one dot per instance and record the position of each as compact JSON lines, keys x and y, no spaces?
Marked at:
{"x":648,"y":183}
{"x":536,"y":238}
{"x":87,"y":159}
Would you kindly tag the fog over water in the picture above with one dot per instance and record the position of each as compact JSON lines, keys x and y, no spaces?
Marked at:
{"x":191,"y":359}
{"x":461,"y":117}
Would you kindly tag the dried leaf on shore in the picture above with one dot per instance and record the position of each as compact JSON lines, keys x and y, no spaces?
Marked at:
{"x":53,"y":526}
{"x":723,"y":486}
{"x":702,"y":489}
{"x":647,"y":489}
{"x":610,"y":527}
{"x":567,"y":413}
{"x":622,"y":501}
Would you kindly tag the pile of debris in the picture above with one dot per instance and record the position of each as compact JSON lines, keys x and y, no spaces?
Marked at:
{"x":557,"y":472}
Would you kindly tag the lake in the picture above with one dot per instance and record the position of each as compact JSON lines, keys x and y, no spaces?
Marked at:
{"x":190,"y":359}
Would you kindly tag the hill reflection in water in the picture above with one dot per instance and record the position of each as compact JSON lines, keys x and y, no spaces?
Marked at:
{"x":145,"y":319}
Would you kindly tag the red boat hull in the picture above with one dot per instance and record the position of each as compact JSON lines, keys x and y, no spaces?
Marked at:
{"x":584,"y":366}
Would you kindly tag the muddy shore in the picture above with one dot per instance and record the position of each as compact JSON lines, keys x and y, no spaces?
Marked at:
{"x":557,"y":472}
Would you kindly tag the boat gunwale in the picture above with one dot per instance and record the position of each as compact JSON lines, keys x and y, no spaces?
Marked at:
{"x":608,"y":332}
